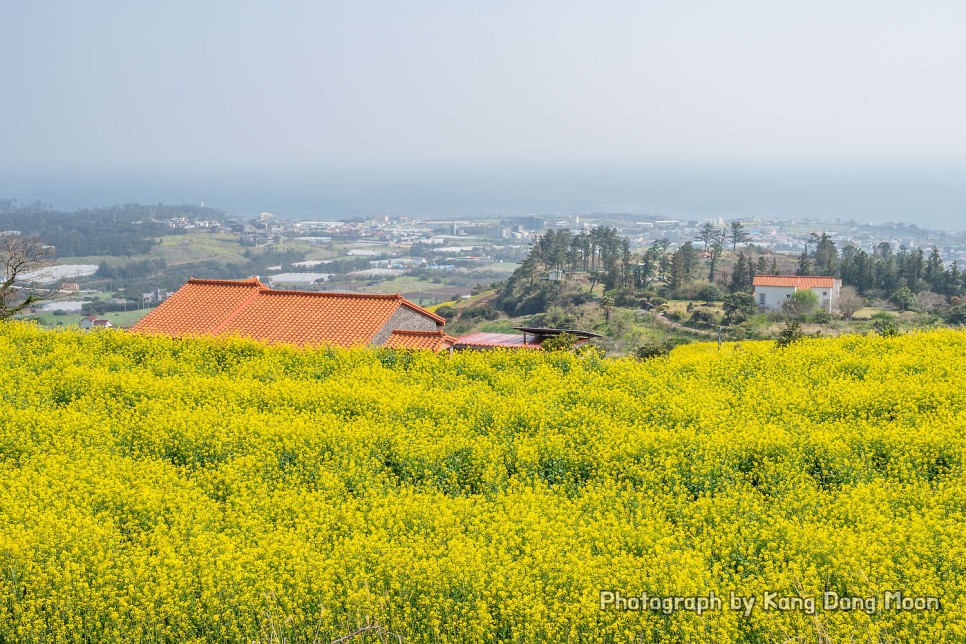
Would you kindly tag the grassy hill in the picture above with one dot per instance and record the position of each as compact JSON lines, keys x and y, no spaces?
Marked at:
{"x":168,"y":490}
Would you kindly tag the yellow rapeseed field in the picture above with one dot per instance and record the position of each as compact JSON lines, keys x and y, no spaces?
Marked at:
{"x":205,"y":491}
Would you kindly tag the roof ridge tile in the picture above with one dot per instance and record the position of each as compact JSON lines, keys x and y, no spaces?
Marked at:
{"x":418,"y":332}
{"x":250,"y":281}
{"x":373,"y":296}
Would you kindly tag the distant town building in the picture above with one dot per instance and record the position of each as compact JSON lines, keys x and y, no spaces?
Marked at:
{"x":314,"y":240}
{"x":526,"y":222}
{"x":156,"y":296}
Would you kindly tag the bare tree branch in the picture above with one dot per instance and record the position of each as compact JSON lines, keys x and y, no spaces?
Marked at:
{"x":21,"y":257}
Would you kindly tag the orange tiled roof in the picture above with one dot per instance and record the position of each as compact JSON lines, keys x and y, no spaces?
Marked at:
{"x":794,"y":281}
{"x":198,"y":307}
{"x":300,"y":317}
{"x":432,"y":340}
{"x":250,"y":309}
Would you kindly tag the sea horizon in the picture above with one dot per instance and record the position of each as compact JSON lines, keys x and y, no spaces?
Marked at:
{"x":930,"y":197}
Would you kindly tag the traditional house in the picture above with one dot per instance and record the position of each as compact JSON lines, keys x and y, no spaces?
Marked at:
{"x":249,"y":308}
{"x":772,"y":291}
{"x":93,"y":322}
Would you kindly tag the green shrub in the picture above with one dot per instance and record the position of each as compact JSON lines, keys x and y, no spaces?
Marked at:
{"x":710,"y":293}
{"x":903,"y":298}
{"x":446,"y":311}
{"x":790,"y":334}
{"x":821,"y":317}
{"x":561,"y":342}
{"x":801,"y":304}
{"x":738,"y":307}
{"x":887,"y":329}
{"x":955,"y":316}
{"x":652,"y":350}
{"x":703,"y":318}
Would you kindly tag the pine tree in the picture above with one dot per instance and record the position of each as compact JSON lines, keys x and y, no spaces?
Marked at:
{"x":739,"y":276}
{"x":738,"y":235}
{"x":935,"y":271}
{"x":804,"y":265}
{"x":826,"y":256}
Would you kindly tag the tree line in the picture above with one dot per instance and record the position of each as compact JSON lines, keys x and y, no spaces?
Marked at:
{"x":604,"y":256}
{"x":118,"y":231}
{"x":560,"y":254}
{"x":882,"y":271}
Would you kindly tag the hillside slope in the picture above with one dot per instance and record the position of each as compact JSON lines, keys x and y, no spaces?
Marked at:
{"x":170,"y":490}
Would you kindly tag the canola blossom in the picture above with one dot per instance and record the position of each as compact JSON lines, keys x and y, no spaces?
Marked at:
{"x":163,"y":490}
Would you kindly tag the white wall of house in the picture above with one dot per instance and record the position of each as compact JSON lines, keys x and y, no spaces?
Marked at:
{"x":828,"y":297}
{"x":772,"y":297}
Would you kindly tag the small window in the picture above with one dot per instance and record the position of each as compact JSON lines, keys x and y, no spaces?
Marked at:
{"x":824,"y":292}
{"x":788,"y":296}
{"x":761,"y":299}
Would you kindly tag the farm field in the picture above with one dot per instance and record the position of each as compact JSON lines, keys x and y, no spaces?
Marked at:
{"x":498,"y":267}
{"x":190,"y":248}
{"x":117,"y":318}
{"x":422,"y":291}
{"x":191,"y":490}
{"x":180,"y":249}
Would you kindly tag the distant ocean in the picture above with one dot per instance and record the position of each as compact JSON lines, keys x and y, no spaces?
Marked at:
{"x":932,"y":197}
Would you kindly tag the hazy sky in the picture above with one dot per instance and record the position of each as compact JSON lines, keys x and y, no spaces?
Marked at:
{"x":828,"y":108}
{"x":219,"y":84}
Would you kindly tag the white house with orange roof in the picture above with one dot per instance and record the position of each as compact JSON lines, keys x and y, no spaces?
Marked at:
{"x":93,"y":322}
{"x":772,"y":291}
